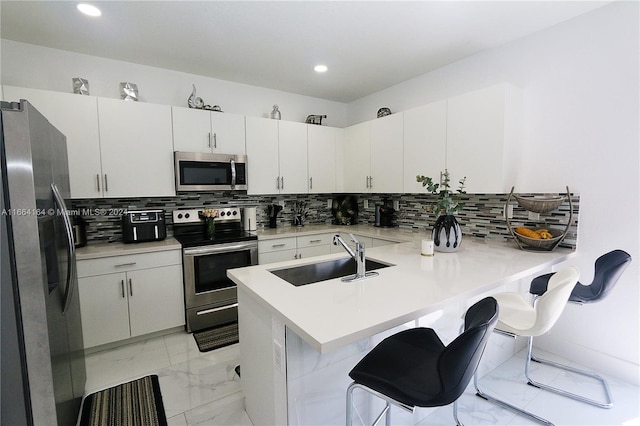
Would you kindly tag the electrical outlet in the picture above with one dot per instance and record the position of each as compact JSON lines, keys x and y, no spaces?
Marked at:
{"x":281,"y":203}
{"x":366,"y":204}
{"x":534,"y":216}
{"x":508,"y":214}
{"x":396,"y":205}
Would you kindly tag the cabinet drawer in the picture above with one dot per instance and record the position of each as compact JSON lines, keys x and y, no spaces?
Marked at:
{"x":131,"y":262}
{"x":277,"y":244}
{"x":314,"y":240}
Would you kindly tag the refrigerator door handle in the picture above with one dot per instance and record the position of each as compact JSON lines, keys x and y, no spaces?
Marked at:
{"x":71,"y":251}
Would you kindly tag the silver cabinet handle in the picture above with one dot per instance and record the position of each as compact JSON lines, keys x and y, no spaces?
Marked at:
{"x":278,"y":245}
{"x":122,"y":288}
{"x":119,"y":265}
{"x":215,"y":140}
{"x":310,"y":183}
{"x":282,"y":185}
{"x":278,"y":182}
{"x":130,"y":287}
{"x":106,"y":183}
{"x":209,"y":137}
{"x":315,"y":241}
{"x":98,"y":181}
{"x":370,"y":181}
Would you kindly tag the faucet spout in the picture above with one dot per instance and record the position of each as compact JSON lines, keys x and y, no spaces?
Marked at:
{"x":337,"y":239}
{"x":358,"y":255}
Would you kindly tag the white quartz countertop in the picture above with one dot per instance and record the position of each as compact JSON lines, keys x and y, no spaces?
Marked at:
{"x":331,"y":314}
{"x":94,"y":251}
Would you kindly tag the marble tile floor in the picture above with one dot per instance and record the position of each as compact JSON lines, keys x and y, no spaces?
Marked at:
{"x":203,"y":389}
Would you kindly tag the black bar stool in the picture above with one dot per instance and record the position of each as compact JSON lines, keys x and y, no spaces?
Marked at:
{"x":413,"y":368}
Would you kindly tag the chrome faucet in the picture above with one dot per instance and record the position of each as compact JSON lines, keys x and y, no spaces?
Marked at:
{"x":358,"y":256}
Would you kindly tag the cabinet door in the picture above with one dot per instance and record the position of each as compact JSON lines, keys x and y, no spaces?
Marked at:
{"x":475,"y":139}
{"x":156,"y":300}
{"x":292,"y":148}
{"x":276,"y":256}
{"x":104,"y":309}
{"x":321,"y":143}
{"x":228,"y":133}
{"x":262,"y":156}
{"x":425,"y":143}
{"x":357,"y":157}
{"x":137,"y":148}
{"x":76,"y":116}
{"x":191,"y":129}
{"x":386,"y":154}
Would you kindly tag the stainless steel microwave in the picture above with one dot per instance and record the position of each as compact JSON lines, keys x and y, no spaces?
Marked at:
{"x":199,"y":171}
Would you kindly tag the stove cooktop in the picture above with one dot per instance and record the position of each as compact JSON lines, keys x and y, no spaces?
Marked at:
{"x":189,"y":227}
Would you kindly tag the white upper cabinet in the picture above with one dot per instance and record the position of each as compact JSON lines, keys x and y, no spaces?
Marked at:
{"x":425,"y":144}
{"x":387,"y":154}
{"x":76,"y":116}
{"x":292,"y":153}
{"x":263,"y":174}
{"x":137,"y":148}
{"x":357,"y":157}
{"x":321,"y":155}
{"x":373,"y":156}
{"x":483,"y":134}
{"x":196,"y":130}
{"x":277,"y":156}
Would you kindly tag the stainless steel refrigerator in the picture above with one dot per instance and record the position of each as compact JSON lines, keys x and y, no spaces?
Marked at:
{"x":43,"y":368}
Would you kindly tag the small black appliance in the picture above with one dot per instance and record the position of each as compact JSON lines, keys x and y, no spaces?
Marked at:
{"x":143,"y":225}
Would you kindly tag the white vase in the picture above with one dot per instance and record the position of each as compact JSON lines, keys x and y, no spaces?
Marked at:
{"x":447,"y":234}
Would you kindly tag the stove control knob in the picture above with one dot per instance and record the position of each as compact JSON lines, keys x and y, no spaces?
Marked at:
{"x":187,"y":215}
{"x":222,"y":213}
{"x":235,"y":212}
{"x":179,"y":215}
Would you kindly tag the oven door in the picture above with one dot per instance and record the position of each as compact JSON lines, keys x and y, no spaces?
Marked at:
{"x":210,"y":297}
{"x":205,"y":272}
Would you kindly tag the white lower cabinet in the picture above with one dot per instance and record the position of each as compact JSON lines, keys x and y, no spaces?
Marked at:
{"x":130,"y":295}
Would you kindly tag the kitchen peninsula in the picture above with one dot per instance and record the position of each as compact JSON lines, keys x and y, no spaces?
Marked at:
{"x":297,"y":344}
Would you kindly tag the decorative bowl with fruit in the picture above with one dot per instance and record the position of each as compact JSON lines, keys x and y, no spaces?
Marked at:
{"x":542,"y":238}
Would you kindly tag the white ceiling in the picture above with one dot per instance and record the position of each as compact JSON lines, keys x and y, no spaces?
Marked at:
{"x":367,"y":46}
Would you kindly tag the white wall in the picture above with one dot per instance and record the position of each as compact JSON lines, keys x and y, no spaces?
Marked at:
{"x":27,"y":65}
{"x":581,"y":86}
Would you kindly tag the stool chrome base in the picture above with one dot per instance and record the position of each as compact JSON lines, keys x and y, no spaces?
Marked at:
{"x":386,"y":412}
{"x":609,"y":400}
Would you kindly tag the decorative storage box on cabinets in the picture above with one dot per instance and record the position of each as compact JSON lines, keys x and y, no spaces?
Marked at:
{"x":130,"y":295}
{"x":543,"y":236}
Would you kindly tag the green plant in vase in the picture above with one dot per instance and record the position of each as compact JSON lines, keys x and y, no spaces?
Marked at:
{"x":210,"y":216}
{"x":446,"y":233}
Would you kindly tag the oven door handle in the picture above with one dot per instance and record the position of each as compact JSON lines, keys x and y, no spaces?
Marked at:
{"x":219,"y":249}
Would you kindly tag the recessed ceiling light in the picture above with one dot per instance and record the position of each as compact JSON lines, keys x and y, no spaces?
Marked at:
{"x":88,"y":9}
{"x":320,"y":68}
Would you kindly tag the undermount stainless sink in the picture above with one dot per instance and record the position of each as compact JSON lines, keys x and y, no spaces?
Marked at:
{"x":322,"y":271}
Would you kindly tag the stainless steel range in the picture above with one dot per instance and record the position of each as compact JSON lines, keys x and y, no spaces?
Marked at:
{"x":210,"y":297}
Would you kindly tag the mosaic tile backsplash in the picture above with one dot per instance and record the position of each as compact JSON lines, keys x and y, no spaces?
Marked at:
{"x":482,"y":215}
